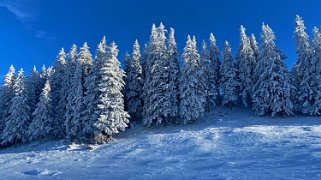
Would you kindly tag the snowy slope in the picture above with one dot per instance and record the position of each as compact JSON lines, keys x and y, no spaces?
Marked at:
{"x":224,"y":145}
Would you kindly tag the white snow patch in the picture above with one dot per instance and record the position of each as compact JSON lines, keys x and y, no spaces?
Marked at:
{"x":239,"y":146}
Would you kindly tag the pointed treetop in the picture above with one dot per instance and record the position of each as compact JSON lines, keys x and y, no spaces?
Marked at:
{"x":136,"y":47}
{"x":61,"y":58}
{"x":204,"y":45}
{"x":43,"y":68}
{"x":11,"y":68}
{"x":242,"y":30}
{"x":136,"y":42}
{"x":194,"y":39}
{"x":21,"y":72}
{"x":102,"y":45}
{"x":243,"y":36}
{"x":172,"y":45}
{"x":73,"y":53}
{"x":113,"y":49}
{"x":8,"y":79}
{"x":226,"y":44}
{"x":212,"y":39}
{"x":253,"y":43}
{"x":161,"y":26}
{"x":34,"y":68}
{"x":154,"y":27}
{"x":298,"y":20}
{"x":253,"y":38}
{"x":62,"y":52}
{"x":103,"y":40}
{"x":189,"y":38}
{"x":85,"y":47}
{"x":171,"y":32}
{"x":73,"y":48}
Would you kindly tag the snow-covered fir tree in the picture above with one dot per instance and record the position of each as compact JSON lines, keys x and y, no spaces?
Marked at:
{"x":246,"y":65}
{"x":70,"y":71}
{"x":90,"y":87}
{"x":42,"y":126}
{"x":158,"y":103}
{"x":273,"y":91}
{"x":302,"y":50}
{"x":58,"y":90}
{"x":44,"y":76}
{"x":75,"y":104}
{"x":192,"y":96}
{"x":144,"y":59}
{"x":215,"y":80}
{"x":173,"y":71}
{"x":126,"y":67}
{"x":85,"y":59}
{"x":207,"y":67}
{"x":33,"y":89}
{"x":311,"y":82}
{"x":18,"y":121}
{"x":109,"y":116}
{"x":304,"y":71}
{"x":229,"y":81}
{"x":135,"y":83}
{"x":127,"y":64}
{"x":255,"y":47}
{"x":6,"y":95}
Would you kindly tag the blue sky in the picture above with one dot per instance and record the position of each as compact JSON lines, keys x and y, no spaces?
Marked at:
{"x":33,"y":31}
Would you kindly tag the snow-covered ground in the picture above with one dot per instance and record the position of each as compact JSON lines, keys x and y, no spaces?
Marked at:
{"x":223,"y":145}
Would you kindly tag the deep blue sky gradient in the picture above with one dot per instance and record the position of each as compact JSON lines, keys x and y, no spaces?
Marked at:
{"x":33,"y":31}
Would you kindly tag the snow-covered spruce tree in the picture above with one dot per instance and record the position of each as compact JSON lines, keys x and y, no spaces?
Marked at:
{"x":255,"y":47}
{"x":246,"y":65}
{"x":144,"y":59}
{"x":58,"y":90}
{"x":18,"y":121}
{"x":173,"y":72}
{"x":135,"y":83}
{"x":158,"y":103}
{"x":109,"y":116}
{"x":75,"y":97}
{"x":71,"y":64}
{"x":85,"y":59}
{"x":208,"y":70}
{"x":44,"y":76}
{"x":6,"y":95}
{"x":302,"y":50}
{"x":304,"y":70}
{"x":273,"y":91}
{"x":42,"y":125}
{"x":229,"y":81}
{"x":75,"y":102}
{"x":152,"y":49}
{"x":90,"y":87}
{"x":192,"y":96}
{"x":33,"y":89}
{"x":127,"y":64}
{"x":215,"y":80}
{"x":312,"y":81}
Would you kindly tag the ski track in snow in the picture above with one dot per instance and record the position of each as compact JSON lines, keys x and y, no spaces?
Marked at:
{"x":223,"y":145}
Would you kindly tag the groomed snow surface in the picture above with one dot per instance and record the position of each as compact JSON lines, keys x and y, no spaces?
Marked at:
{"x":223,"y":145}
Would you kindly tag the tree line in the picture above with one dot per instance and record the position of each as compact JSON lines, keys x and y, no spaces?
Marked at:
{"x":82,"y":98}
